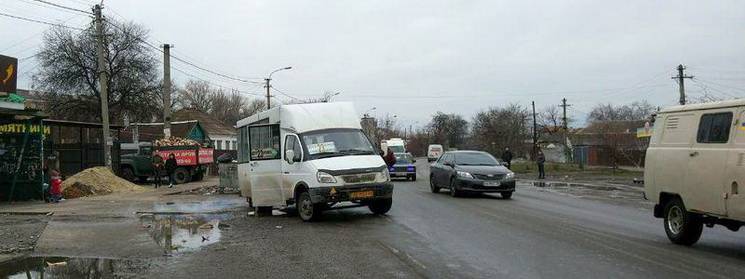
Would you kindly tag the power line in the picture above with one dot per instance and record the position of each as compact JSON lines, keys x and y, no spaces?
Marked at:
{"x":63,"y":7}
{"x":40,"y":21}
{"x":285,"y":94}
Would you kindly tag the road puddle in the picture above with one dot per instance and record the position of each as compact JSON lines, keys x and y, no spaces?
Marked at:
{"x":180,"y":233}
{"x":62,"y":267}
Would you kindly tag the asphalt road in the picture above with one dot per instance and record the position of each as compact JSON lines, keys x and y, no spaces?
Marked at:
{"x":542,"y":232}
{"x":537,"y":234}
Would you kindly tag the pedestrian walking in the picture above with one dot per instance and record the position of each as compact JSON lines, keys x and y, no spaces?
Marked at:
{"x":507,"y":157}
{"x":540,"y":159}
{"x":157,"y":170}
{"x":55,"y":189}
{"x":171,"y":165}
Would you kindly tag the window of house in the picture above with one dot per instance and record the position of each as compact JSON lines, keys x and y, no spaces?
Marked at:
{"x":714,"y":128}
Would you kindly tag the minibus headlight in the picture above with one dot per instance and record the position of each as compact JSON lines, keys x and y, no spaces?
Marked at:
{"x":385,"y":176}
{"x":325,"y":177}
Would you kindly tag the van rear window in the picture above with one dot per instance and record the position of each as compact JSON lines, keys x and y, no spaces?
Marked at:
{"x":714,"y":128}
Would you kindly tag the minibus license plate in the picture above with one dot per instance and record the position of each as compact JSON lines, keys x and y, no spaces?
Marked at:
{"x":491,"y":183}
{"x":362,"y":195}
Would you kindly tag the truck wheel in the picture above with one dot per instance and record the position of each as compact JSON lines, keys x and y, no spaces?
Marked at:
{"x":380,"y":206}
{"x":306,"y":209}
{"x":432,"y":185}
{"x":682,"y":227}
{"x":128,"y":174}
{"x":181,"y":176}
{"x":506,"y":195}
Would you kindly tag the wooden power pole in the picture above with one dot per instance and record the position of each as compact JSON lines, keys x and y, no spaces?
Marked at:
{"x":167,"y":90}
{"x":681,"y":84}
{"x":103,"y":82}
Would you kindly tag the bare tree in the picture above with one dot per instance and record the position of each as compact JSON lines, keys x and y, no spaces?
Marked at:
{"x":325,"y":98}
{"x":609,"y":112}
{"x":197,"y":95}
{"x":450,"y":130}
{"x":68,"y":73}
{"x":497,"y":128}
{"x":549,"y":121}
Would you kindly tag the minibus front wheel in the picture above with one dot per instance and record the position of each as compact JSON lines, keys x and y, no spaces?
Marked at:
{"x":380,"y":206}
{"x":306,"y":209}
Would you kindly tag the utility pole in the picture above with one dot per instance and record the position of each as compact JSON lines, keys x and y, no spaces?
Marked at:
{"x":103,"y":82}
{"x":564,"y":106}
{"x":565,"y":127}
{"x":167,"y":90}
{"x":268,"y":96}
{"x":681,"y":85}
{"x":535,"y":130}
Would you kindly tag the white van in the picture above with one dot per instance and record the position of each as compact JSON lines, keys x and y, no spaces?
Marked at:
{"x":433,"y":152}
{"x":397,"y":145}
{"x":313,"y":156}
{"x":694,"y":166}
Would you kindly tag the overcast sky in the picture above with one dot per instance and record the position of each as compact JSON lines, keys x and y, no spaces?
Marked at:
{"x":413,"y":58}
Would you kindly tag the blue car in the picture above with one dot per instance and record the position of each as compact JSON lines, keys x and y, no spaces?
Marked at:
{"x":404,"y":166}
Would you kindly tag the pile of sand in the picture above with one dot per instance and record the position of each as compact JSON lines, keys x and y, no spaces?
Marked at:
{"x":97,"y":181}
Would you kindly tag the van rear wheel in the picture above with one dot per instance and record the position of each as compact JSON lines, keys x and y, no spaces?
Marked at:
{"x":682,"y":227}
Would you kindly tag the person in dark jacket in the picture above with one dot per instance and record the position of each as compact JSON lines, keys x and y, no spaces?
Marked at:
{"x":171,"y":165}
{"x":157,"y":170}
{"x":540,"y":159}
{"x":389,"y":158}
{"x":507,"y":157}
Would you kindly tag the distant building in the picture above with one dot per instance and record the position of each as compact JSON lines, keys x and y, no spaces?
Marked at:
{"x":223,"y":137}
{"x":609,"y":143}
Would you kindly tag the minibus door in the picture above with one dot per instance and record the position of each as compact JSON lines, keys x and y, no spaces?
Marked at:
{"x":265,"y":165}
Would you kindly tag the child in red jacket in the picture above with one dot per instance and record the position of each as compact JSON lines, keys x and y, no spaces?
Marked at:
{"x":55,"y":191}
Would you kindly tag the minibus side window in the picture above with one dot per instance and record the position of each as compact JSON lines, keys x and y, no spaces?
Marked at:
{"x":291,"y":143}
{"x":243,"y":150}
{"x":264,"y":142}
{"x":714,"y":128}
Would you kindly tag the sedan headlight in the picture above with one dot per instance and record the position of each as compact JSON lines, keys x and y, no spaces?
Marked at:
{"x":325,"y":177}
{"x":509,"y":176}
{"x":465,"y":174}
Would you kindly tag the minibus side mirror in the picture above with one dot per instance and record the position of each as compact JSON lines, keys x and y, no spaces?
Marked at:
{"x":290,"y":156}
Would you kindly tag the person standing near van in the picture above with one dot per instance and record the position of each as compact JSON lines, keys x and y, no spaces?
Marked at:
{"x":507,"y":157}
{"x":157,"y":170}
{"x":171,"y":165}
{"x":540,"y":159}
{"x":389,"y":157}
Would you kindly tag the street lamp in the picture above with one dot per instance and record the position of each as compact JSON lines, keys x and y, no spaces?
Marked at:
{"x":328,"y":97}
{"x":367,"y":112}
{"x":268,"y":96}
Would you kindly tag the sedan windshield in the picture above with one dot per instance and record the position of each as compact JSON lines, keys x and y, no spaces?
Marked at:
{"x":404,"y":158}
{"x":336,"y":142}
{"x":475,"y":159}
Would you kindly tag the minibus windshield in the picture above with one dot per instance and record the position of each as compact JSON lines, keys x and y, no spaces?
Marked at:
{"x":336,"y":142}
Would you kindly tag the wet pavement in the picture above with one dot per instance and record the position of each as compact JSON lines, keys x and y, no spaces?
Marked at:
{"x":180,"y":233}
{"x":549,"y":229}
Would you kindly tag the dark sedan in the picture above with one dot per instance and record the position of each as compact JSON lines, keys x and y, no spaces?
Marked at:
{"x":471,"y":171}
